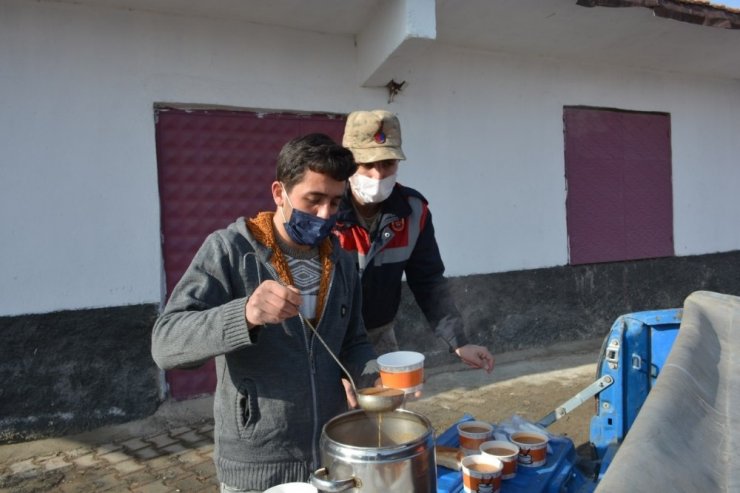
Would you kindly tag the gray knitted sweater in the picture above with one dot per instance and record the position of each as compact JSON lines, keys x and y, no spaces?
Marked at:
{"x":277,"y":386}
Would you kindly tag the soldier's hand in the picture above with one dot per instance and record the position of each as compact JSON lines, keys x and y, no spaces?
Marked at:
{"x":476,"y":357}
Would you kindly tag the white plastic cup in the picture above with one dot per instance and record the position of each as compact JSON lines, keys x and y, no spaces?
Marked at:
{"x":481,"y":474}
{"x":403,"y":370}
{"x":506,"y":452}
{"x":472,"y":434}
{"x":292,"y":488}
{"x":532,"y":448}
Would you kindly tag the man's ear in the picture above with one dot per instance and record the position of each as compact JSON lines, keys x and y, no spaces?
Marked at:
{"x":277,"y":193}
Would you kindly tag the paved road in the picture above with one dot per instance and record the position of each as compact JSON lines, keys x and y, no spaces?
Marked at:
{"x":172,"y":450}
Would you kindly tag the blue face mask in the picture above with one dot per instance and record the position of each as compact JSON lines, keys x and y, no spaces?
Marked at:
{"x":307,"y":229}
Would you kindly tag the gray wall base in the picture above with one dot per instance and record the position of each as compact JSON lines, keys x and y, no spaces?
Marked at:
{"x":536,"y":308}
{"x":71,"y":371}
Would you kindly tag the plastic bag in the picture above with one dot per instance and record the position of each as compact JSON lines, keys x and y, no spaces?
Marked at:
{"x":515,"y":423}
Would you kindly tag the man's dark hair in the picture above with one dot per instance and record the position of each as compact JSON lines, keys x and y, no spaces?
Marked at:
{"x":317,"y":152}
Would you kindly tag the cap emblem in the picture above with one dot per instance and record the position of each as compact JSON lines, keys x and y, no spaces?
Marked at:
{"x":379,"y":136}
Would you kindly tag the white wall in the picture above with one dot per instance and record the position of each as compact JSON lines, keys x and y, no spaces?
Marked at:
{"x":484,"y":138}
{"x":79,"y":201}
{"x":483,"y":133}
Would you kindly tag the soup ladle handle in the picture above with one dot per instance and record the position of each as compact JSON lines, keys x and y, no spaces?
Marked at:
{"x":328,"y":350}
{"x":305,"y":322}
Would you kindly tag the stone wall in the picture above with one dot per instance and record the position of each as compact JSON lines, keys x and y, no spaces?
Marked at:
{"x":72,"y":371}
{"x":535,"y":308}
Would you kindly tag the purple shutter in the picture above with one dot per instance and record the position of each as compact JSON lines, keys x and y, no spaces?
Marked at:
{"x":618,"y":170}
{"x":215,"y":166}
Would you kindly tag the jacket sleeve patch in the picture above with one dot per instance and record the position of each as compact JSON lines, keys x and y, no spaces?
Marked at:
{"x":401,"y":237}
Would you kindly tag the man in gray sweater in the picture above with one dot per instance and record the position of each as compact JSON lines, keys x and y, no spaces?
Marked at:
{"x":245,"y":300}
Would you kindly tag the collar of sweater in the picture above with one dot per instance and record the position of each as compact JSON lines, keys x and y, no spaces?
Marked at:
{"x":263,"y":230}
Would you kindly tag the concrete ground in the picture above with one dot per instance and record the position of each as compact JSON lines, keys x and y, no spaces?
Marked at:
{"x":171,"y":451}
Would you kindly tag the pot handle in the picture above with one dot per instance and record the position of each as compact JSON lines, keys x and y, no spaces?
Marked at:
{"x":319,"y":480}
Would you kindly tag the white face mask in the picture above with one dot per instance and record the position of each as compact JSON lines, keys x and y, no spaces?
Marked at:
{"x":371,"y":190}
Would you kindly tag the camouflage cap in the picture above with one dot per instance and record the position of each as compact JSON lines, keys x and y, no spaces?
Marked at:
{"x":373,"y":136}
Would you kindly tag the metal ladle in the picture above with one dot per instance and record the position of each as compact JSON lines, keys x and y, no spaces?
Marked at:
{"x":370,"y":399}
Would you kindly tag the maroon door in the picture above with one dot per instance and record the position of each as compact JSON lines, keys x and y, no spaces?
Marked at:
{"x":215,"y":166}
{"x":620,"y":200}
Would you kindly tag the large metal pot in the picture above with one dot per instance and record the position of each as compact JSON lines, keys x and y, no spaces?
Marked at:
{"x":377,"y":453}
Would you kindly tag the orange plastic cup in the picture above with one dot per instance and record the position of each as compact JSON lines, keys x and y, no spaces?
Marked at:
{"x":481,"y":473}
{"x":506,"y":452}
{"x":472,"y":434}
{"x":403,"y":370}
{"x":532,"y":448}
